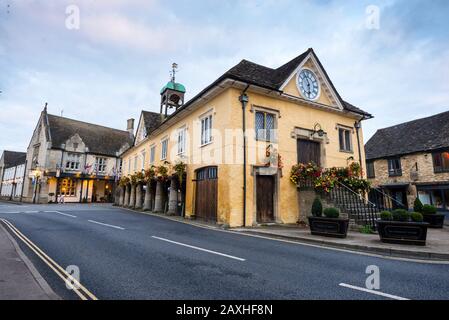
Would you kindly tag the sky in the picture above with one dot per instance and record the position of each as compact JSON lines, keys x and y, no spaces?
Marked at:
{"x":387,"y":57}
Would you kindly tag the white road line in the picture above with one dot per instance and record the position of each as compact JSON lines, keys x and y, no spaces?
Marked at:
{"x":372,"y":292}
{"x":61,"y":213}
{"x":201,"y":249}
{"x":31,"y":212}
{"x":107,"y":225}
{"x":12,"y":212}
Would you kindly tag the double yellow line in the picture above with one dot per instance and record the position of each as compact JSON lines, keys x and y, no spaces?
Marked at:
{"x":78,"y":288}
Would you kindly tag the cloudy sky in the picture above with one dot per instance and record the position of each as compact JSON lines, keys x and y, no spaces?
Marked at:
{"x":115,"y":63}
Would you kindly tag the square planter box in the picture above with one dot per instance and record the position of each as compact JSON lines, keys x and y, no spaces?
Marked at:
{"x":412,"y":233}
{"x":435,"y":220}
{"x":329,"y":227}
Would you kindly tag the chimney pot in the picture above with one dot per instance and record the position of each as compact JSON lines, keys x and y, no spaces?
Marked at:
{"x":130,"y":126}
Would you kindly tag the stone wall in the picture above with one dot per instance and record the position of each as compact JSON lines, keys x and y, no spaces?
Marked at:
{"x":416,"y":168}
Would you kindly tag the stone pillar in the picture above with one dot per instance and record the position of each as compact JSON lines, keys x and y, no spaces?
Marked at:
{"x":121,"y":200}
{"x":159,"y":203}
{"x":173,"y":197}
{"x":126,"y":199}
{"x":305,"y":200}
{"x":147,"y":201}
{"x":132,"y":197}
{"x":138,"y":204}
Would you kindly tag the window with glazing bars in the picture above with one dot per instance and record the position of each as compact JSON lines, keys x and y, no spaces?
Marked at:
{"x":265,"y":125}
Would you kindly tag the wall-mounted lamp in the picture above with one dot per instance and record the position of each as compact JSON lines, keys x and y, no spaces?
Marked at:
{"x":317,"y":129}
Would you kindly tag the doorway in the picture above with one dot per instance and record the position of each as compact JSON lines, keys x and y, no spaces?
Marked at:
{"x":265,"y":191}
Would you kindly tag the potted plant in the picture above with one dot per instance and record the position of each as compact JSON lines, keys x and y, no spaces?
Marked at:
{"x":331,"y":225}
{"x":434,"y":219}
{"x":402,"y":227}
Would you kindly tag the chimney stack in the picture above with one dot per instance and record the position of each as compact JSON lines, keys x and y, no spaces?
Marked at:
{"x":130,"y":126}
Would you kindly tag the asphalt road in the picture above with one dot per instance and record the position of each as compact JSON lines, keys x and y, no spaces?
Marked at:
{"x":126,"y":255}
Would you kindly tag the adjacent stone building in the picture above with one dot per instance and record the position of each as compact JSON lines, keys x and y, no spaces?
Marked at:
{"x":73,"y":160}
{"x":12,"y":170}
{"x":411,"y":160}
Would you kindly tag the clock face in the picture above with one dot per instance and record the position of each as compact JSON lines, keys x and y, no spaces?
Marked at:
{"x":308,"y":84}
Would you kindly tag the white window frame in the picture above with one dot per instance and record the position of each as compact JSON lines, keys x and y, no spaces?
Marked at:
{"x":164,"y":151}
{"x":143,"y":156}
{"x":206,"y":127}
{"x":101,"y":164}
{"x":73,"y":162}
{"x":152,"y":154}
{"x":182,"y":143}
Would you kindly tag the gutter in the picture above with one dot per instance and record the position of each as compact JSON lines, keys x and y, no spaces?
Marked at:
{"x":244,"y":101}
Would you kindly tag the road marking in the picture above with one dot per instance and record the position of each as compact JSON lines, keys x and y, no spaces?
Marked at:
{"x":372,"y":292}
{"x":31,"y":212}
{"x":200,"y":249}
{"x":106,"y":225}
{"x":79,"y":289}
{"x":61,"y":213}
{"x":11,"y":212}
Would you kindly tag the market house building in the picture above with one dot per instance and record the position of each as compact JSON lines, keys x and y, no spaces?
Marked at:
{"x":292,"y":113}
{"x":412,"y":159}
{"x":12,"y":170}
{"x":74,"y":159}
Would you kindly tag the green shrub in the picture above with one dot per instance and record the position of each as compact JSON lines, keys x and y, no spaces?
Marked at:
{"x":366,"y":229}
{"x":332,"y":213}
{"x":401,"y":215}
{"x":386,"y":216}
{"x":317,"y":208}
{"x":418,"y":206}
{"x":417,"y":217}
{"x":428,"y":209}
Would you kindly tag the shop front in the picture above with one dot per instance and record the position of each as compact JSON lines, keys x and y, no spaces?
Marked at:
{"x":80,"y":188}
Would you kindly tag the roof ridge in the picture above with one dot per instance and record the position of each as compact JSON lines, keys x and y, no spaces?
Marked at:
{"x":413,"y":121}
{"x":89,"y":123}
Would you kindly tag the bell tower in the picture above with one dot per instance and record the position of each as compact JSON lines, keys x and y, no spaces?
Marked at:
{"x":172,"y":94}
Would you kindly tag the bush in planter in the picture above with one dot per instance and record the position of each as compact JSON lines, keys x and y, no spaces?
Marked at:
{"x":401,"y":215}
{"x":317,"y":208}
{"x":428,"y":209}
{"x":332,"y":213}
{"x":418,"y":206}
{"x":417,"y":217}
{"x":386,"y":216}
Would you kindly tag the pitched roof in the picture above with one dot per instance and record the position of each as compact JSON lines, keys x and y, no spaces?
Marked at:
{"x":13,"y":158}
{"x":152,"y":120}
{"x":99,"y":139}
{"x":420,"y":135}
{"x":269,"y":78}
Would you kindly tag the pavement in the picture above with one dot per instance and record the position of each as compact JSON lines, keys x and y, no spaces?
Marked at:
{"x":437,"y":245}
{"x":19,"y":280}
{"x":121,"y":254}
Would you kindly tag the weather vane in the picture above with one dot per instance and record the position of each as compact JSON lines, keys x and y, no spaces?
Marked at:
{"x":173,"y":72}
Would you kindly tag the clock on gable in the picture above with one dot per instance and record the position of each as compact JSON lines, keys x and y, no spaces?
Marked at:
{"x":308,"y":84}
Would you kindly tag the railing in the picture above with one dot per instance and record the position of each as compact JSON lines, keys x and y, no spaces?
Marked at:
{"x":383,"y":201}
{"x":356,"y":205}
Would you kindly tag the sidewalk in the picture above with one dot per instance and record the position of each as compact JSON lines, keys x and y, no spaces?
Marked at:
{"x":437,"y":247}
{"x":19,"y":280}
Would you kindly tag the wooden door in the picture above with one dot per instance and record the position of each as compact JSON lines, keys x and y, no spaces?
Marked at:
{"x":265,"y":198}
{"x":206,"y":194}
{"x":309,"y":151}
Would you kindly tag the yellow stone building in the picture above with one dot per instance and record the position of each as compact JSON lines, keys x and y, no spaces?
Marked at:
{"x":287,"y":115}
